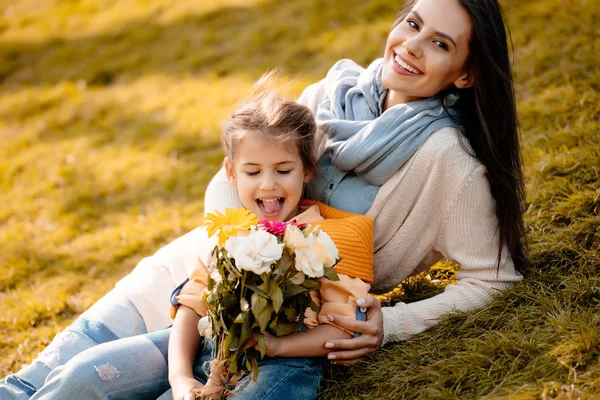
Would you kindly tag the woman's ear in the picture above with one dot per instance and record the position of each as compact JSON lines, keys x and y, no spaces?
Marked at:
{"x":465,"y":81}
{"x":229,"y":169}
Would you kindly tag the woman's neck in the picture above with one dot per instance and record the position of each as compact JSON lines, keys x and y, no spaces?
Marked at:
{"x":393,"y":98}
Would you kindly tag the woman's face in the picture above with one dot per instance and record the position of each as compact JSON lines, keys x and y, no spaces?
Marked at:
{"x":427,"y":52}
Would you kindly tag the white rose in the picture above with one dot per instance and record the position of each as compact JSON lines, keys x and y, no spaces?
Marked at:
{"x":205,"y":327}
{"x":326,"y":250}
{"x":294,"y":238}
{"x":307,"y":259}
{"x":255,"y":252}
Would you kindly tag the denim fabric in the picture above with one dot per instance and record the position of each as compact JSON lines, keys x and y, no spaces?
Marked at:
{"x":136,"y":368}
{"x":111,"y":318}
{"x":292,"y":378}
{"x":131,"y":368}
{"x":341,"y":189}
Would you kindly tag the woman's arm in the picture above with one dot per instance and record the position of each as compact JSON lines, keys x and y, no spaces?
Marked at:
{"x":467,"y":235}
{"x":220,"y":194}
{"x":183,"y":344}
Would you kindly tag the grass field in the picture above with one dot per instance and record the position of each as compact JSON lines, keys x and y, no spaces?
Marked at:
{"x":110,"y":114}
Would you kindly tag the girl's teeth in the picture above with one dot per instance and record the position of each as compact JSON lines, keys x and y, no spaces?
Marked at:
{"x":405,"y":65}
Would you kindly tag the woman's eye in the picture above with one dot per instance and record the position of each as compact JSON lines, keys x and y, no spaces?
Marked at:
{"x":441,"y":44}
{"x":413,"y":24}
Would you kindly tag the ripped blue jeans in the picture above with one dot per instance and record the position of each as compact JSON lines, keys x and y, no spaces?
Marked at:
{"x":112,"y":317}
{"x":136,"y":368}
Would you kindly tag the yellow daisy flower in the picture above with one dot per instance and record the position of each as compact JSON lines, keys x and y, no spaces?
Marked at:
{"x":228,"y":224}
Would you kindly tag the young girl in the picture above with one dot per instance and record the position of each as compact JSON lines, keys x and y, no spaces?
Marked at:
{"x":269,"y":148}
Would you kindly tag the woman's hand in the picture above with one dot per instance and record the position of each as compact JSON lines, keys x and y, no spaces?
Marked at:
{"x":184,"y":387}
{"x":350,"y":351}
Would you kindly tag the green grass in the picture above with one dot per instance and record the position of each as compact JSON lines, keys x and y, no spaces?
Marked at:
{"x":109,"y":121}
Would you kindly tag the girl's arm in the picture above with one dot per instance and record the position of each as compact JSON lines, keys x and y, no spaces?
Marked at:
{"x":304,"y":344}
{"x":183,"y":344}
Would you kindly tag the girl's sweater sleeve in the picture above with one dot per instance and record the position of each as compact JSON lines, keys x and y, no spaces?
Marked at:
{"x":469,"y":237}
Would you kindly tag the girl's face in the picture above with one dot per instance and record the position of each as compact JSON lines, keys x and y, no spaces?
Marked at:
{"x":269,"y":176}
{"x":427,"y":52}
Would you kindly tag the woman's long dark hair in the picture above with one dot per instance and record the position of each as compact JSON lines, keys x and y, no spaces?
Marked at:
{"x":488,"y":113}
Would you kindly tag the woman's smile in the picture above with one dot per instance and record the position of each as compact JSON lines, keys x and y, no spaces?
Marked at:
{"x":405,"y":67}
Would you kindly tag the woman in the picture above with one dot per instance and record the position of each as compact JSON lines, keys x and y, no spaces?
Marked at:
{"x":434,"y":191}
{"x":456,"y":194}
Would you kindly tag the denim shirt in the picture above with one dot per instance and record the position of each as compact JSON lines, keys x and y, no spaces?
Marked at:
{"x":339,"y":189}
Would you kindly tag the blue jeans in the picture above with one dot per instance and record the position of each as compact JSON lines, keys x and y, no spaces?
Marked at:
{"x":136,"y":368}
{"x":111,"y":318}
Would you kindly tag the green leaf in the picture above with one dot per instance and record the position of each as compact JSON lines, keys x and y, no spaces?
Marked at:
{"x":223,"y":325}
{"x":239,"y":319}
{"x":298,"y":278}
{"x":262,"y":345}
{"x":230,"y":304}
{"x":293,"y":290}
{"x":313,"y":306}
{"x":230,"y":338}
{"x":290,"y":313}
{"x":232,"y":364}
{"x":261,"y":308}
{"x":246,"y":329}
{"x":276,"y":295}
{"x":330,"y":274}
{"x":285,"y":262}
{"x":283,"y":328}
{"x":311,"y":284}
{"x":258,"y":291}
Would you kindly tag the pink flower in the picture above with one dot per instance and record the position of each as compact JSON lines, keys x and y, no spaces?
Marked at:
{"x":277,"y":227}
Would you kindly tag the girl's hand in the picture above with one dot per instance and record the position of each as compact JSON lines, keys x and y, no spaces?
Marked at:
{"x":350,"y":351}
{"x":185,"y":388}
{"x":273,"y":345}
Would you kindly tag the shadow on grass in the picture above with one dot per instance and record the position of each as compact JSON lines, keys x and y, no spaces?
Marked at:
{"x":221,"y":42}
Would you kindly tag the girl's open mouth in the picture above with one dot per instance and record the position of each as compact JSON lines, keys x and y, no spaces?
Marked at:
{"x":271,"y":206}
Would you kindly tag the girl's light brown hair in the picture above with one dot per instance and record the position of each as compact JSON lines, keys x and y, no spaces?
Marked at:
{"x":275,"y":118}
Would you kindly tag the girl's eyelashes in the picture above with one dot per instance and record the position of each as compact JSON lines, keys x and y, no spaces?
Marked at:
{"x":279,"y":171}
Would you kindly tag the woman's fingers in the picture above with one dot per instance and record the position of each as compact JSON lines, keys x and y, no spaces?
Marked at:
{"x":348,"y":357}
{"x":350,"y":351}
{"x":353,"y":325}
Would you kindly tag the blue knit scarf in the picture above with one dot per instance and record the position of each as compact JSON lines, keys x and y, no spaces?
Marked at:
{"x":362,"y":138}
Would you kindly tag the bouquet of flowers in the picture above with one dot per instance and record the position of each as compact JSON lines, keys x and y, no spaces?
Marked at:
{"x":262,"y":274}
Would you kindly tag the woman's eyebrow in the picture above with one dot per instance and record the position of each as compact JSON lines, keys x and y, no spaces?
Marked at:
{"x":444,"y":35}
